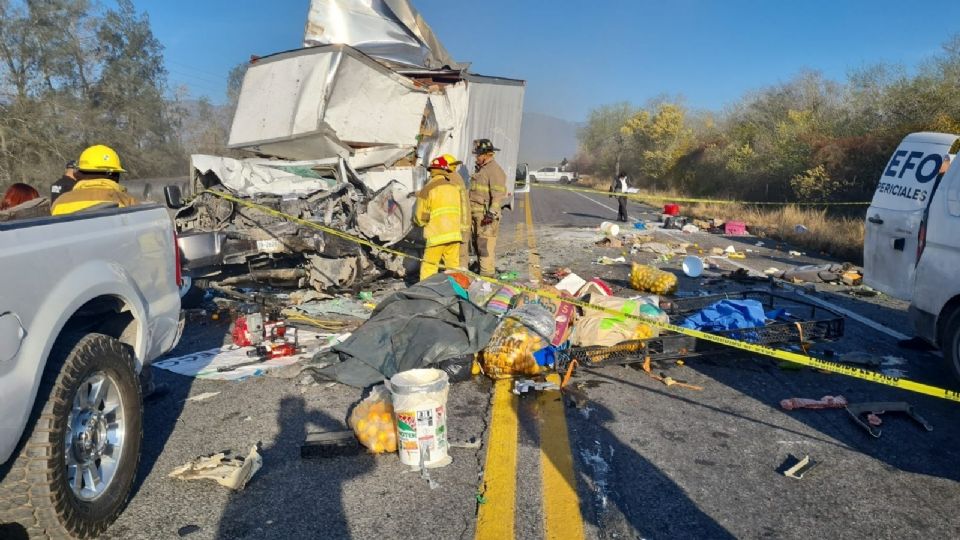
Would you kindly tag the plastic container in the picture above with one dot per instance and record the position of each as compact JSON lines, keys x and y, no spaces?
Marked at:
{"x":609,"y":229}
{"x":736,"y":228}
{"x":420,"y":409}
{"x":671,"y":209}
{"x":692,"y":266}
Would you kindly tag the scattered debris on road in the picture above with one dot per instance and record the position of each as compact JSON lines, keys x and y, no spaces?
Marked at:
{"x":224,"y":468}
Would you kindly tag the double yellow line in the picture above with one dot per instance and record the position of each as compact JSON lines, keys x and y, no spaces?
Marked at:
{"x":560,"y":503}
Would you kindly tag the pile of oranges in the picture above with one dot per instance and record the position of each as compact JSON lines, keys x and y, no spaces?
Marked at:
{"x":511,"y":350}
{"x":373,"y":423}
{"x":647,"y":278}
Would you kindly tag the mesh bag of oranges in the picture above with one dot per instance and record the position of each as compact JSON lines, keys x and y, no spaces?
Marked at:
{"x":511,"y":350}
{"x":647,"y":278}
{"x":373,"y":422}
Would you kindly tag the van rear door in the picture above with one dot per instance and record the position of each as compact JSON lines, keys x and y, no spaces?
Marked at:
{"x":896,"y":212}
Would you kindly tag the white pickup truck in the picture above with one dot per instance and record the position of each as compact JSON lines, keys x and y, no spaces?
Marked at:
{"x":552,"y":174}
{"x":86,"y":301}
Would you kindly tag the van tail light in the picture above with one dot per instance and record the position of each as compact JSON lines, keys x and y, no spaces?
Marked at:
{"x":921,"y":239}
{"x":178,"y":266}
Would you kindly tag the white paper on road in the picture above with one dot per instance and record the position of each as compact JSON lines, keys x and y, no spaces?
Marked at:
{"x":206,"y":364}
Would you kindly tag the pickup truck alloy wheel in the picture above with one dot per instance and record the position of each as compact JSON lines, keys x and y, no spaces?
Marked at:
{"x":94,"y":437}
{"x":77,"y":460}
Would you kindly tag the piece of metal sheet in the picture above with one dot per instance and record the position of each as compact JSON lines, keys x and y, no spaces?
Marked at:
{"x":391,"y":30}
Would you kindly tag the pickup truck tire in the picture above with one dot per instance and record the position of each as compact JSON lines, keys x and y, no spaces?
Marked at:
{"x":951,"y":343}
{"x":90,"y":395}
{"x":533,"y":179}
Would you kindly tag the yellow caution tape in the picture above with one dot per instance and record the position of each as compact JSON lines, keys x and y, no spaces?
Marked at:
{"x":646,"y":197}
{"x":804,"y":360}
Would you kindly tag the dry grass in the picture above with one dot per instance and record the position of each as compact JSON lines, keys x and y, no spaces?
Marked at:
{"x":840,"y":237}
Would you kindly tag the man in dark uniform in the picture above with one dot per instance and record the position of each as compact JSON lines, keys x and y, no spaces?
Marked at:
{"x":65,"y":183}
{"x":620,"y":185}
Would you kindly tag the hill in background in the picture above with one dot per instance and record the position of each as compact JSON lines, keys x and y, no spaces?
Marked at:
{"x":545,"y":140}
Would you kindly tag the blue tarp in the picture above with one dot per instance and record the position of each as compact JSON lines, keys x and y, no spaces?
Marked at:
{"x":727,"y":315}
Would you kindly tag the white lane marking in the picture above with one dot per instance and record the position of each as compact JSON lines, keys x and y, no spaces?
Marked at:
{"x":829,"y":305}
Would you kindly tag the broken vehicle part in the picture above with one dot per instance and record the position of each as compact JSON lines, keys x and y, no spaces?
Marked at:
{"x":229,"y":471}
{"x":860,"y":412}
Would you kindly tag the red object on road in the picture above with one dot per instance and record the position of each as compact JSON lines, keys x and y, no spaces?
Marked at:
{"x":671,"y":209}
{"x":735,"y":228}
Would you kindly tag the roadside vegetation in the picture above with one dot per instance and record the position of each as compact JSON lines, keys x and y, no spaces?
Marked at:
{"x":75,"y":73}
{"x":807,"y":140}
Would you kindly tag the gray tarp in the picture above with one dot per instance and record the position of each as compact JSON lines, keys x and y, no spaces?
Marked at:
{"x":412,"y":328}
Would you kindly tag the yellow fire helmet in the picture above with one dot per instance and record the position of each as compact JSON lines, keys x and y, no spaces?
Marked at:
{"x":100,"y":158}
{"x":452,"y":161}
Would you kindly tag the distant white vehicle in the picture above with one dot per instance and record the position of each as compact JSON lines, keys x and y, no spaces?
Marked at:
{"x":911,"y":247}
{"x":553,"y":174}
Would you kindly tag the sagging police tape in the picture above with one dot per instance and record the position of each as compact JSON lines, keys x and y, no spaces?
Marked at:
{"x":816,"y":363}
{"x":644,"y":197}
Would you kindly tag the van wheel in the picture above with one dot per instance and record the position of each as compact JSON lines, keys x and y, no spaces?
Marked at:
{"x":78,"y":459}
{"x":950,"y":343}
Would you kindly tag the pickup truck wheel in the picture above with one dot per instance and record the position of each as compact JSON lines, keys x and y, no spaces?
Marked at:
{"x":951,"y":343}
{"x":533,"y":179}
{"x":77,"y":461}
{"x":564,"y":180}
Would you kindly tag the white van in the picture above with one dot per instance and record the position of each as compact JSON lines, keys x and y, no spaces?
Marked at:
{"x":912,"y":245}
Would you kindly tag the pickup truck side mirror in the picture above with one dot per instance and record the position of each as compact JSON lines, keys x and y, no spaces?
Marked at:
{"x":522,"y":172}
{"x":173,"y":196}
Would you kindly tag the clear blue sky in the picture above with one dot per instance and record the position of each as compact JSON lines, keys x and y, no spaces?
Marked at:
{"x":576,"y":55}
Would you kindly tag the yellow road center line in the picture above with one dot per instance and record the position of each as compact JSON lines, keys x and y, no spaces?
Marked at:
{"x":495,"y":520}
{"x":561,"y":506}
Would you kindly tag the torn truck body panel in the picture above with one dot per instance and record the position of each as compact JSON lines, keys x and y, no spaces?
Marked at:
{"x":334,"y":101}
{"x":391,"y":30}
{"x":324,"y":102}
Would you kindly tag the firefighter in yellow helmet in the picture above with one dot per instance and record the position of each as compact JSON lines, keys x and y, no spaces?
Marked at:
{"x":98,"y":182}
{"x":488,"y":189}
{"x":439,"y":212}
{"x":455,"y":177}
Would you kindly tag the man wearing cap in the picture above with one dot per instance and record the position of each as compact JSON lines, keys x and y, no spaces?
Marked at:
{"x":98,"y":182}
{"x":66,"y":182}
{"x":438,"y":211}
{"x":488,"y":189}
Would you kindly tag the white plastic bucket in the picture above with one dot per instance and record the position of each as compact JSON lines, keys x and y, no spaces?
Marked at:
{"x":692,"y":266}
{"x":420,"y":409}
{"x":609,"y":229}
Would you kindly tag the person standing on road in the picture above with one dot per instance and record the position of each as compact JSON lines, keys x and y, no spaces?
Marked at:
{"x":488,"y":189}
{"x":464,"y":209}
{"x":439,"y":209}
{"x":621,"y":185}
{"x":98,"y":182}
{"x":65,"y":183}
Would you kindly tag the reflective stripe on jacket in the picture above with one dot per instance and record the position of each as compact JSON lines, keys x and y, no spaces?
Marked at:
{"x":87,"y":193}
{"x":488,"y":188}
{"x":464,"y":203}
{"x":439,"y":210}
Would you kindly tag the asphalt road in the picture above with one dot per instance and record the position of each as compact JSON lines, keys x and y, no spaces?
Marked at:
{"x":649,"y":461}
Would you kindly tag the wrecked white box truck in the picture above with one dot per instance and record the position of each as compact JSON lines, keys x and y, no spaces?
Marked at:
{"x":341,"y":131}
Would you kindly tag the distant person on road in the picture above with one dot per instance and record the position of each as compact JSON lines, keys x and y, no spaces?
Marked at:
{"x":98,"y":182}
{"x":66,"y":182}
{"x":439,"y":209}
{"x":488,"y":189}
{"x":455,"y":177}
{"x":621,"y":185}
{"x":21,"y":201}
